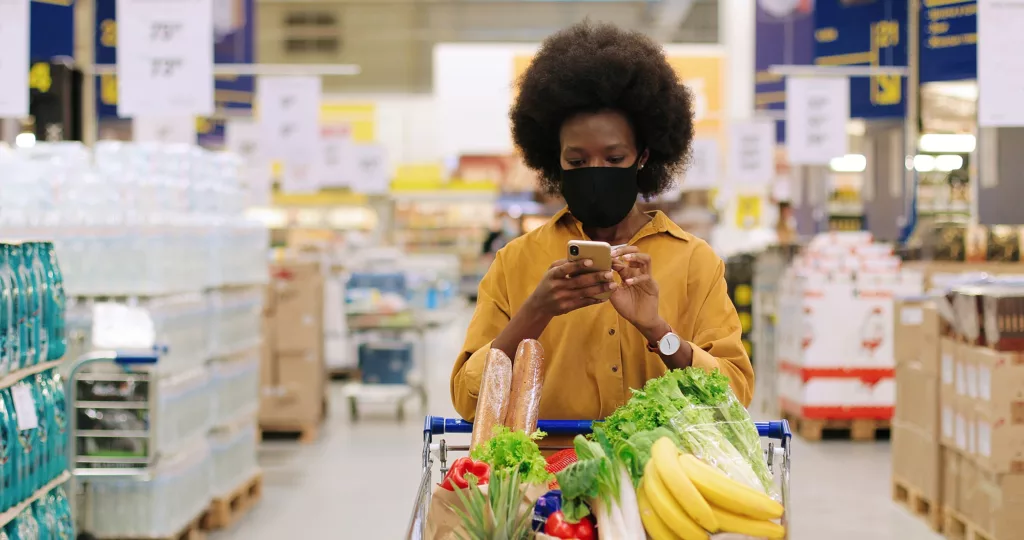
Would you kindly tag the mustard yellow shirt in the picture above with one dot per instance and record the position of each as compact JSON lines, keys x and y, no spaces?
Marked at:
{"x":593,"y":356}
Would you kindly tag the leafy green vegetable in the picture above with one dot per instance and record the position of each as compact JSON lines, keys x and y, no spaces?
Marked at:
{"x":592,"y":476}
{"x":515,"y":451}
{"x":694,"y":407}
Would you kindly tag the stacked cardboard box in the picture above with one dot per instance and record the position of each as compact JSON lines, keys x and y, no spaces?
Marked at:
{"x":835,"y":346}
{"x":916,"y":453}
{"x":293,"y":374}
{"x":982,"y":411}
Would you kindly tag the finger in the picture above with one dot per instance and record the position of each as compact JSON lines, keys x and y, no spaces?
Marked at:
{"x":557,"y":263}
{"x":577,"y":303}
{"x":637,"y":260}
{"x":638,"y":280}
{"x":588,"y":279}
{"x":571,"y":268}
{"x":623,"y":250}
{"x":597,"y":289}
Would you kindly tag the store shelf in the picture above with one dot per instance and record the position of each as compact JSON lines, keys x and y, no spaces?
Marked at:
{"x":17,"y":509}
{"x":15,"y":376}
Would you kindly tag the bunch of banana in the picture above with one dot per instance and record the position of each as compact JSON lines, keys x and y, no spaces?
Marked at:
{"x":681,"y":497}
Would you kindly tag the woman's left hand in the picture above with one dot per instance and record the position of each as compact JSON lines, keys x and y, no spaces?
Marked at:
{"x":637,"y":298}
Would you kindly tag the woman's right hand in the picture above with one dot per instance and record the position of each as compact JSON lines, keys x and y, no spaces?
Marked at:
{"x":568,"y":286}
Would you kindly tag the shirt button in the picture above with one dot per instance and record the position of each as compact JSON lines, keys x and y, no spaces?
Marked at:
{"x":611,"y":331}
{"x":615,"y":369}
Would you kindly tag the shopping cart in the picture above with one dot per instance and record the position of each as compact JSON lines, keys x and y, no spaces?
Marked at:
{"x":775,"y":431}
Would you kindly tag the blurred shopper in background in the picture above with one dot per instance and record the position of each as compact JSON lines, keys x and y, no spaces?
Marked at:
{"x":602,"y":117}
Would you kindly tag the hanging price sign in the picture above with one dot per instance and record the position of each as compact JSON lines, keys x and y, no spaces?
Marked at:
{"x":165,"y":58}
{"x":368,"y":169}
{"x":289,"y":117}
{"x":752,"y":153}
{"x":817,"y":111}
{"x":242,"y":137}
{"x":14,"y":24}
{"x":180,"y":130}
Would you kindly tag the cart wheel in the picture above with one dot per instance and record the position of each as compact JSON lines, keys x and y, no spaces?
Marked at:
{"x":353,"y":409}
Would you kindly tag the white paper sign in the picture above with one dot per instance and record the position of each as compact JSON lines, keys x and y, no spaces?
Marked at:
{"x":289,"y":117}
{"x":336,"y":150}
{"x":179,"y":130}
{"x":165,"y":58}
{"x":300,"y":176}
{"x":24,"y":406}
{"x":1000,"y":66}
{"x":243,"y":138}
{"x":752,"y":153}
{"x":368,"y":169}
{"x":817,"y":111}
{"x":14,"y":25}
{"x":704,"y":169}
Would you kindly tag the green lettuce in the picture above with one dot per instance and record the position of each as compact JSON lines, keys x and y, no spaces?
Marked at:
{"x":592,"y":477}
{"x":515,"y":451}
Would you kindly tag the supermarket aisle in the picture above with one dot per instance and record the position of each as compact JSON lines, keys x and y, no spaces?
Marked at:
{"x":358,"y":481}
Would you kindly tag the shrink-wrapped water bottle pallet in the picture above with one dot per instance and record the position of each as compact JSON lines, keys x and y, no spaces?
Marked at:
{"x":193,"y":531}
{"x":226,"y":511}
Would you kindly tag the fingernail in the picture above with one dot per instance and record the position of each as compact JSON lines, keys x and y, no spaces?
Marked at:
{"x":607,"y":275}
{"x":627,"y":257}
{"x":629,"y":281}
{"x":588,"y":262}
{"x":612,"y":286}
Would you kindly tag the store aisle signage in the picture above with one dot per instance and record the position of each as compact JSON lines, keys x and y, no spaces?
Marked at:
{"x":817,"y":111}
{"x":752,"y":153}
{"x":948,"y":49}
{"x":704,"y":171}
{"x":243,"y":138}
{"x":784,"y":35}
{"x":335,"y":152}
{"x":368,"y":169}
{"x":165,"y":57}
{"x":14,"y":56}
{"x":1000,"y":65}
{"x":178,"y":130}
{"x":289,"y":119}
{"x":865,"y":34}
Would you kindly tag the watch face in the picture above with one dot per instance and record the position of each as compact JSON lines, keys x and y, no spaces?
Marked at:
{"x":669,"y":344}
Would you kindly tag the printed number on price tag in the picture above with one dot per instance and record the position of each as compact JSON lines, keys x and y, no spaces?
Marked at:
{"x":24,"y":406}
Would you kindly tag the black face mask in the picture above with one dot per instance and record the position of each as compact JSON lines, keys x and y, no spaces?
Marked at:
{"x":600,"y":197}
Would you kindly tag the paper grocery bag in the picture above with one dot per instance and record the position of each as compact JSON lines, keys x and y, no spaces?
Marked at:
{"x":442,"y":521}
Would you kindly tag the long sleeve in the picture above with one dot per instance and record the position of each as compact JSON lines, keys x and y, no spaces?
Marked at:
{"x":716,"y":338}
{"x":489,"y":319}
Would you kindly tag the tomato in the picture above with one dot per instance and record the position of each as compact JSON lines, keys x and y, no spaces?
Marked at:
{"x":558,"y":527}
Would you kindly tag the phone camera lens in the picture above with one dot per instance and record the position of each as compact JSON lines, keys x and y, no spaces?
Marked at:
{"x":574,"y":250}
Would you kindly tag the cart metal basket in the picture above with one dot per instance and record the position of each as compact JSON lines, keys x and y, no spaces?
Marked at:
{"x":776,"y":432}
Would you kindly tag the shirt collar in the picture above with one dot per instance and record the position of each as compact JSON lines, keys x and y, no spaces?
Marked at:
{"x":659,"y":224}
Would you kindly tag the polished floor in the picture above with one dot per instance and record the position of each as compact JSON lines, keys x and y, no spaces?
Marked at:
{"x":359,"y":480}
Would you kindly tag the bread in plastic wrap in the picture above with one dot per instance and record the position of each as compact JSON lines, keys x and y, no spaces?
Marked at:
{"x":492,"y":403}
{"x":527,"y":381}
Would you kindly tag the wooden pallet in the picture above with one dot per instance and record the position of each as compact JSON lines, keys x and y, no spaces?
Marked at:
{"x":193,"y":531}
{"x":345,"y":374}
{"x":224,"y":512}
{"x":958,"y":527}
{"x":911,"y":498}
{"x":305,"y":433}
{"x":816,"y":429}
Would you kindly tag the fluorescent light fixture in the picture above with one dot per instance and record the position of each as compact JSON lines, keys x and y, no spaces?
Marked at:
{"x":953,"y":143}
{"x":949,"y":162}
{"x":850,"y":163}
{"x":924,"y":163}
{"x":25,"y":140}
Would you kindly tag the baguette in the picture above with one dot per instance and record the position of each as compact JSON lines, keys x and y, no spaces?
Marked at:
{"x":527,"y":382}
{"x":492,"y":403}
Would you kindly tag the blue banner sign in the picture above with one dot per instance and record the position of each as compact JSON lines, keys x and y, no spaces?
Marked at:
{"x":784,"y":36}
{"x":233,"y":44}
{"x":949,"y":40}
{"x":865,"y":33}
{"x":51,"y":30}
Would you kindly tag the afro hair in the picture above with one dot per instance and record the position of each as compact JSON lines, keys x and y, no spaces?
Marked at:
{"x":589,"y":68}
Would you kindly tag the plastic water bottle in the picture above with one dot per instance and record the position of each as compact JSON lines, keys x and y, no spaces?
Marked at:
{"x":56,"y":301}
{"x":41,"y":289}
{"x":8,"y":469}
{"x":16,"y":335}
{"x":7,"y":291}
{"x":23,"y":321}
{"x":64,"y":518}
{"x":23,"y":455}
{"x":44,"y":412}
{"x":60,"y":424}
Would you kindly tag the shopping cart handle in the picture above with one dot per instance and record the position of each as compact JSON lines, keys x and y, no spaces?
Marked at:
{"x":439,"y":425}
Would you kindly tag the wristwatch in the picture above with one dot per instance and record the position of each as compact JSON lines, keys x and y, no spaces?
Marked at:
{"x":667,"y":345}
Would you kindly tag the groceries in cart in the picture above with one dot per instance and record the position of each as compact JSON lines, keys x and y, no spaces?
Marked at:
{"x":681,"y":459}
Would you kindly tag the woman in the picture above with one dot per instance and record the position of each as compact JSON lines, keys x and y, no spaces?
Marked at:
{"x":602,"y":117}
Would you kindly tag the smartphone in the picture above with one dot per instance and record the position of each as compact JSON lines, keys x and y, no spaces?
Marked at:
{"x":599,"y":252}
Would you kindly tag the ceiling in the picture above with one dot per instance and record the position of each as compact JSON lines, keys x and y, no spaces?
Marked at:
{"x":392,"y":40}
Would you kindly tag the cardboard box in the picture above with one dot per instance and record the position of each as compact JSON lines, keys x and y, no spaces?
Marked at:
{"x":917,"y":460}
{"x":998,"y":406}
{"x":948,"y":348}
{"x":296,"y":395}
{"x":917,"y":399}
{"x":996,"y":502}
{"x":298,"y":306}
{"x":948,"y":398}
{"x":951,"y":489}
{"x":916,"y":333}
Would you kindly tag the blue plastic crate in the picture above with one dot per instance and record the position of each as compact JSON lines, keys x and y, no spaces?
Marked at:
{"x":385,"y":363}
{"x":383,"y":282}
